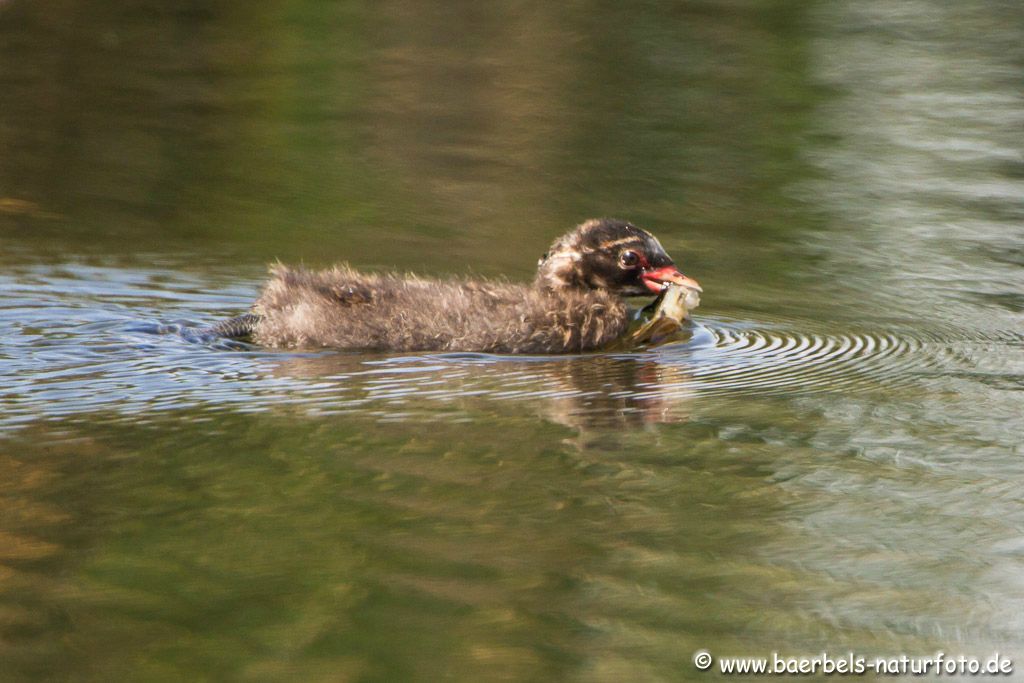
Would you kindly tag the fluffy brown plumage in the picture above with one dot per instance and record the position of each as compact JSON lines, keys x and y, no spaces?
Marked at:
{"x":573,"y":305}
{"x":342,"y":308}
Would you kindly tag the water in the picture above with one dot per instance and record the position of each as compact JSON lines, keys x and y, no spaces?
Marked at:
{"x":833,"y":462}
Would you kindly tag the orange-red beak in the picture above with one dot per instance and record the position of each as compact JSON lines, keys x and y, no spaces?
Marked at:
{"x":656,"y":278}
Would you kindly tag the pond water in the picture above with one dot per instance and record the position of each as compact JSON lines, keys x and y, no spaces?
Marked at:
{"x":833,"y":462}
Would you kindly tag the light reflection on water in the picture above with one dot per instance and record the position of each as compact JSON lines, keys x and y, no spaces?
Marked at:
{"x":98,"y":340}
{"x":778,"y":474}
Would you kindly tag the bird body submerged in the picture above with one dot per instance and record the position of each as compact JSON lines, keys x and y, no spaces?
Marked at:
{"x":343,"y":308}
{"x":574,"y":304}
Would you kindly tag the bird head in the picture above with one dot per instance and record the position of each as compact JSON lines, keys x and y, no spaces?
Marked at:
{"x":609,"y":254}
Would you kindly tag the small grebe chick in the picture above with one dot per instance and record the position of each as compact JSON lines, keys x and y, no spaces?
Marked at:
{"x":574,"y":304}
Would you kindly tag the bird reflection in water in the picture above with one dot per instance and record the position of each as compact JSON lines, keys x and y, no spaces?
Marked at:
{"x":598,"y":391}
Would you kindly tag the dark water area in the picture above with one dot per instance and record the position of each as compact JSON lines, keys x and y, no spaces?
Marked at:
{"x":833,"y":462}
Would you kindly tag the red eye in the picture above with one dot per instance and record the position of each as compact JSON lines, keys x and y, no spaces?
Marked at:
{"x":629,"y":259}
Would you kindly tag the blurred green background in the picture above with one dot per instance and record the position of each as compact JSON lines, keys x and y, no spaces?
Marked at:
{"x":834,"y":462}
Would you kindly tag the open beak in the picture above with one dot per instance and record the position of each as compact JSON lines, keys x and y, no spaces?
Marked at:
{"x":655,"y":279}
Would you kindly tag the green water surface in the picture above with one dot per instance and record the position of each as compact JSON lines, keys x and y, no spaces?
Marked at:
{"x":833,"y":463}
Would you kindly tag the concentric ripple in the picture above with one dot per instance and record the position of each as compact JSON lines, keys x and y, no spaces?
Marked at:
{"x":80,"y":340}
{"x":791,"y":355}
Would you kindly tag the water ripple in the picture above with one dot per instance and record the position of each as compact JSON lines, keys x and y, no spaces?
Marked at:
{"x":69,"y":351}
{"x":729,"y":356}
